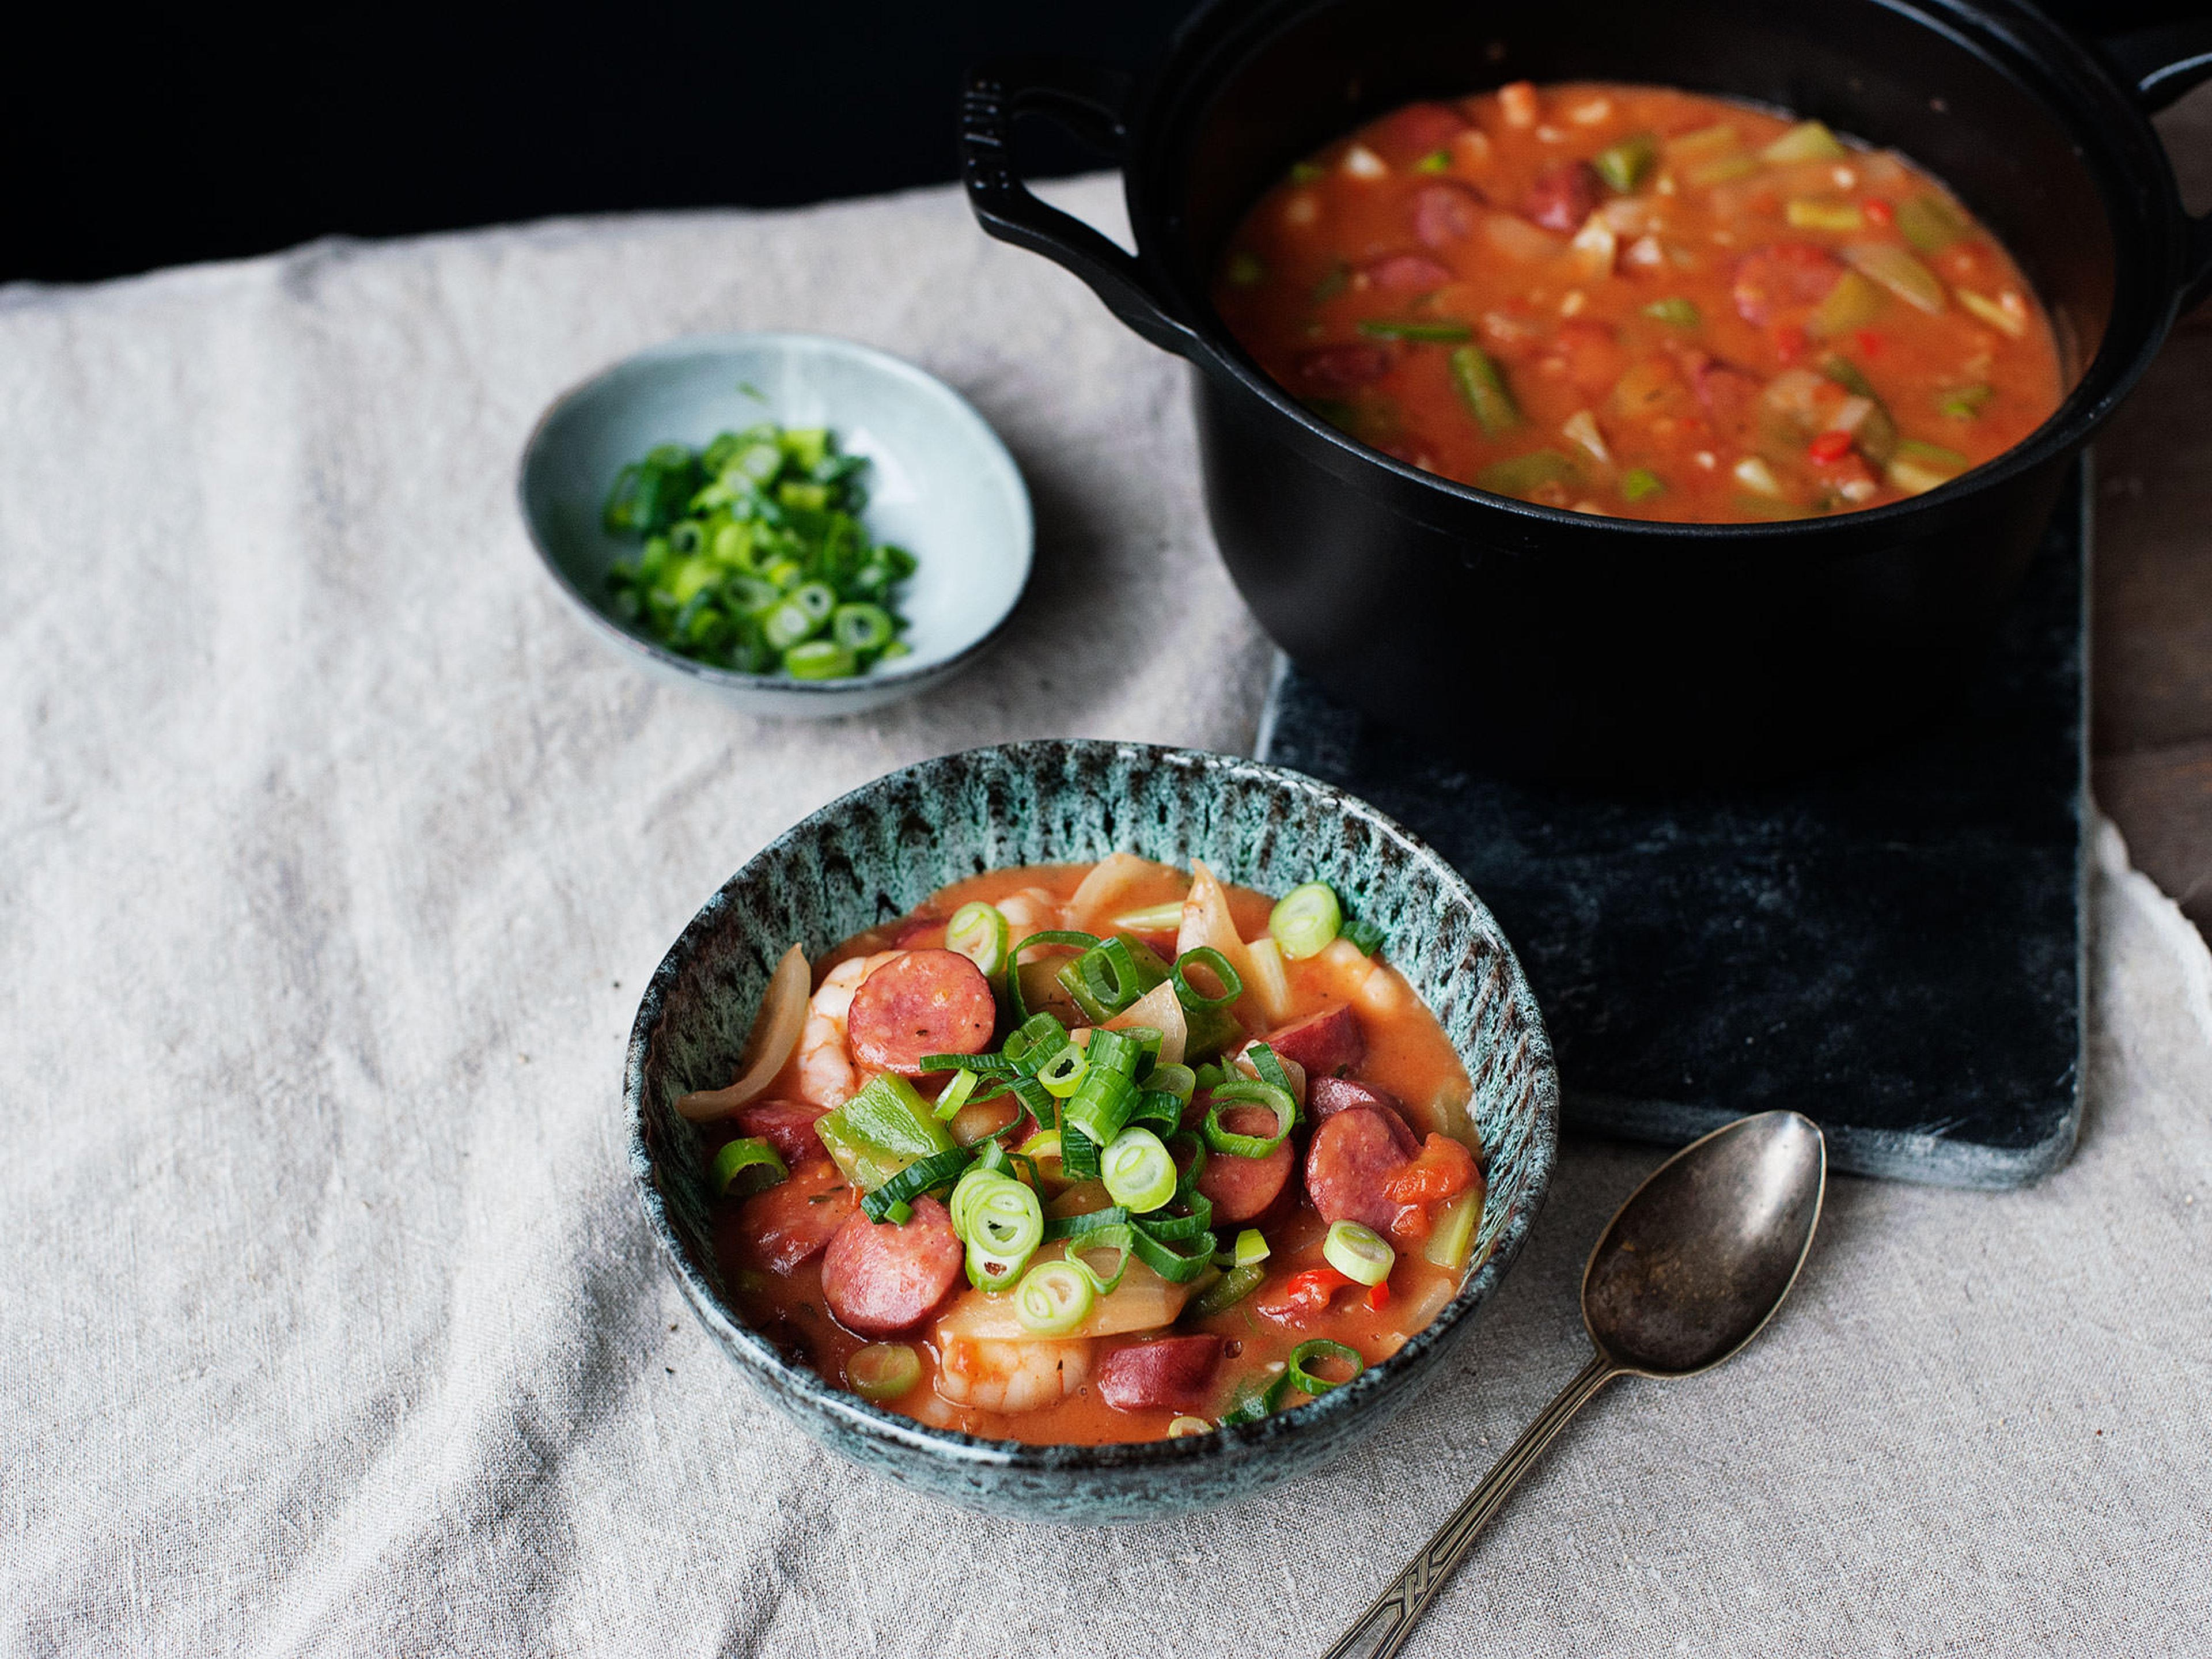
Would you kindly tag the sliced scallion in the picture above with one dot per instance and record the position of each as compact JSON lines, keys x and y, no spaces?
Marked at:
{"x":979,"y":932}
{"x":882,"y":1371}
{"x":749,"y":1165}
{"x":1306,"y":919}
{"x":1062,"y":1075}
{"x":1055,"y":1297}
{"x":1300,"y":1373}
{"x":1213,"y":962}
{"x":1247,"y":1090}
{"x":1357,"y":1252}
{"x":1138,"y":1172}
{"x":955,"y":1095}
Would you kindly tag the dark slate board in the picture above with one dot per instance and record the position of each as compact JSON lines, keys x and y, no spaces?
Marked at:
{"x":1893,"y":947}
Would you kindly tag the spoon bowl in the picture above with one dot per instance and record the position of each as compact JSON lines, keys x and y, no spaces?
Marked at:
{"x":1705,"y":1251}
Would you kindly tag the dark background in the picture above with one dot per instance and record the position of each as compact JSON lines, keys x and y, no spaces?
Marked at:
{"x":131,"y":141}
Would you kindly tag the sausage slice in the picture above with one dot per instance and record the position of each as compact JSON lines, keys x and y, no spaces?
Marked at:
{"x":1174,"y":1373}
{"x":1326,"y":1044}
{"x":793,"y":1221}
{"x":926,"y":1002}
{"x":879,"y":1278}
{"x":1242,"y":1187}
{"x":786,"y":1125}
{"x":1352,"y":1160}
{"x":1327,"y":1096}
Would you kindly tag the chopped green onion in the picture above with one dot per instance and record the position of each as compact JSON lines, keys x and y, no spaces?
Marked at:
{"x":979,"y":932}
{"x":1306,"y":919}
{"x":1062,"y":1075}
{"x":1178,"y":1082}
{"x":753,"y":1159}
{"x":1055,"y":1297}
{"x":1675,"y":312}
{"x":1808,"y":141}
{"x":1437,"y":160}
{"x":1301,"y":1372}
{"x":1138,"y":1174}
{"x":1002,"y":1223}
{"x":820,"y":660}
{"x":1359,"y":1253}
{"x":1482,"y":388}
{"x":1239,"y":1091}
{"x":955,"y":1095}
{"x":938,"y":1169}
{"x":1251,"y":1246}
{"x":1963,"y":403}
{"x":1206,"y":956}
{"x":1440,"y":333}
{"x":1112,"y":975}
{"x":1640,"y":484}
{"x":882,"y":1371}
{"x":1809,"y":213}
{"x":1623,"y":165}
{"x":861,"y":627}
{"x":1231,"y":1288}
{"x":1183,"y":1427}
{"x":1364,"y":936}
{"x":1157,"y":919}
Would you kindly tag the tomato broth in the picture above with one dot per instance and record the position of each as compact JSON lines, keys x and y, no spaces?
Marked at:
{"x":1638,"y":302}
{"x":1399,"y":1051}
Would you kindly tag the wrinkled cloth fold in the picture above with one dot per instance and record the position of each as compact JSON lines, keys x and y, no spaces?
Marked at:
{"x":338,"y":855}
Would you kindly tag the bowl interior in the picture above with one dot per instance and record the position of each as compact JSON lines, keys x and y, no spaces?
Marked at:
{"x":939,"y":482}
{"x":877,"y":852}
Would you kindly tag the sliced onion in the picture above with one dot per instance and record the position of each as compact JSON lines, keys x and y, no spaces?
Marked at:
{"x":1161,"y":1010}
{"x":1106,"y":882}
{"x":1269,"y":984}
{"x":1206,"y":921}
{"x":774,"y":1035}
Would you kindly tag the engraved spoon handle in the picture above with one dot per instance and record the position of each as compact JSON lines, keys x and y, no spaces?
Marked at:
{"x":1382,"y":1630}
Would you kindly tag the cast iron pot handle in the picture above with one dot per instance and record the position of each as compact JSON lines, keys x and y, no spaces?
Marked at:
{"x":1090,"y":101}
{"x":2162,"y":64}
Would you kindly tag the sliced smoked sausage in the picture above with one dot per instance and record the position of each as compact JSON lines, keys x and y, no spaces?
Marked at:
{"x":794,"y":1220}
{"x":879,"y":1276}
{"x":1563,"y":196}
{"x":1175,"y":1373}
{"x":1326,"y":1043}
{"x":1327,"y":1096}
{"x":786,"y":1125}
{"x":1242,"y":1187}
{"x":926,"y":1002}
{"x":1352,"y":1160}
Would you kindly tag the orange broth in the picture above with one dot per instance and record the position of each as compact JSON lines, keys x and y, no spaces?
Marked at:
{"x":1407,"y":1055}
{"x":1690,"y":331}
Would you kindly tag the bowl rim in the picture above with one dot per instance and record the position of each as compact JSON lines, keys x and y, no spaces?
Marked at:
{"x":754,"y":1353}
{"x":683,"y":347}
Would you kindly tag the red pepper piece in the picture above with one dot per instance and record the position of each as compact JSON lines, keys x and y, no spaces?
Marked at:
{"x":1830,"y":447}
{"x":1444,"y":1169}
{"x":1878,"y":212}
{"x":1303,"y":1296}
{"x":1869,"y":342}
{"x":1378,"y":1295}
{"x":1791,"y":343}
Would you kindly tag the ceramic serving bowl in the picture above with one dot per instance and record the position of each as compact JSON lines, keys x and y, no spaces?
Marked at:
{"x":939,"y":483}
{"x":877,"y":852}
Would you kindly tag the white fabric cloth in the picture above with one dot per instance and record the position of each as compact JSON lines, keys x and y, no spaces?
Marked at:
{"x":337,"y":855}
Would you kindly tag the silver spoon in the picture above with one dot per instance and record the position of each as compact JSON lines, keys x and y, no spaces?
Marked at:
{"x":1690,"y":1268}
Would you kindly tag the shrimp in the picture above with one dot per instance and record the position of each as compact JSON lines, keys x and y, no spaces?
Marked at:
{"x":1032,"y":910}
{"x":1010,"y":1376}
{"x":826,"y":1077}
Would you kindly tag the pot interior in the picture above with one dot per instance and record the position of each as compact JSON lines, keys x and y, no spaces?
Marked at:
{"x":2045,"y":154}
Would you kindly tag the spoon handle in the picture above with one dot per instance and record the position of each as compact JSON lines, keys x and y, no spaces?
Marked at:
{"x":1382,"y":1630}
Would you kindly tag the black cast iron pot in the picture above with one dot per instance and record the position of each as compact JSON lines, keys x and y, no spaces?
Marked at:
{"x":1554,"y":641}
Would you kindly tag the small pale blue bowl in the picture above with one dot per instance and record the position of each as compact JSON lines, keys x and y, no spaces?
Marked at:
{"x":880,"y":851}
{"x":939,"y":482}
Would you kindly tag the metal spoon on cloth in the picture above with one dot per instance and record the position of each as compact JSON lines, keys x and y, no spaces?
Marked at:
{"x":1692,"y":1267}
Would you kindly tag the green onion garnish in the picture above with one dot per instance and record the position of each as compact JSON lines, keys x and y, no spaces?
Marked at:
{"x":1138,"y":1172}
{"x":1306,"y":919}
{"x":1623,"y":165}
{"x":1359,"y":1253}
{"x":1437,"y":160}
{"x":1214,"y":963}
{"x":1002,"y":1223}
{"x":882,"y":1371}
{"x":749,"y":1163}
{"x":1243,"y":1091}
{"x":955,"y":1095}
{"x":1062,"y":1075}
{"x":1055,"y":1297}
{"x":1300,"y":1370}
{"x":892,"y":1200}
{"x":1364,"y":936}
{"x":979,"y":932}
{"x":1675,"y":311}
{"x":820,"y":660}
{"x":1251,"y":1247}
{"x":1179,"y":1082}
{"x":1640,"y":484}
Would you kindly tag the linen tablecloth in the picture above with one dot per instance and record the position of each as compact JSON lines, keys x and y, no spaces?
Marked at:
{"x":336,"y":856}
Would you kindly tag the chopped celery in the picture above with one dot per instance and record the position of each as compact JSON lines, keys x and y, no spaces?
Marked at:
{"x":1917,"y":467}
{"x":1930,"y":223}
{"x":1523,"y":474}
{"x":1722,"y":169}
{"x":1705,"y":143}
{"x":1899,"y":272}
{"x":1808,"y":141}
{"x":1876,"y":436}
{"x":1852,"y":303}
{"x":1453,"y":1238}
{"x":2006,"y":321}
{"x":1674,"y":310}
{"x":1623,"y":165}
{"x":1807,"y":213}
{"x":1437,"y":160}
{"x":1640,"y":484}
{"x":879,"y":1131}
{"x":1962,"y":403}
{"x":1482,"y":387}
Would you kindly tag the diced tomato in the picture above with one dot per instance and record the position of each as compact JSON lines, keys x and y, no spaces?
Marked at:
{"x":1303,"y":1296}
{"x":1378,"y":1295}
{"x":1878,"y":211}
{"x":1869,"y":341}
{"x":1443,"y":1169}
{"x":1830,"y":447}
{"x":1791,"y":343}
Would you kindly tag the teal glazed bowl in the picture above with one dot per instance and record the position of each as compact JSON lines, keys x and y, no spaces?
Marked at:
{"x":877,"y":852}
{"x":940,"y":482}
